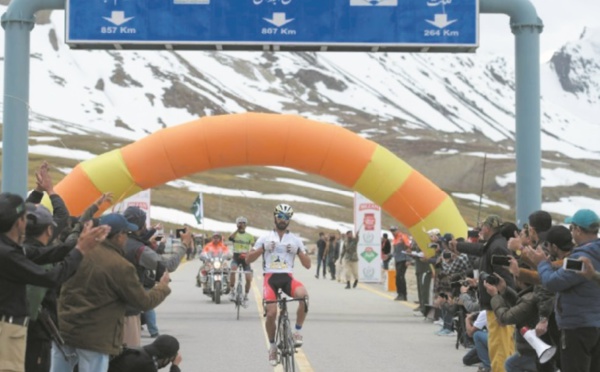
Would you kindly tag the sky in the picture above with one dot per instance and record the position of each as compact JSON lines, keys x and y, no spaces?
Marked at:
{"x":560,"y":26}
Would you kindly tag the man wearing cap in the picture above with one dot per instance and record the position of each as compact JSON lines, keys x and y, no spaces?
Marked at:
{"x":500,"y":338}
{"x":577,"y":299}
{"x":92,"y":304}
{"x":147,"y":262}
{"x":19,"y":268}
{"x":41,"y":228}
{"x":400,"y":244}
{"x":150,"y":358}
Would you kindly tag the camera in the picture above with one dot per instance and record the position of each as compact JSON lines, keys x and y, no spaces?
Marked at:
{"x":447,"y":255}
{"x":489,"y":278}
{"x":500,"y":260}
{"x":178,"y":233}
{"x":458,"y":284}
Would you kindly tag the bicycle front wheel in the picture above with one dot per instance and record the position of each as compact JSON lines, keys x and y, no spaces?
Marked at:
{"x":288,"y":351}
{"x":239,"y":298}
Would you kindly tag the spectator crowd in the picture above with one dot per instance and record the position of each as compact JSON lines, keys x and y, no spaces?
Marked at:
{"x":72,"y":289}
{"x":64,"y":278}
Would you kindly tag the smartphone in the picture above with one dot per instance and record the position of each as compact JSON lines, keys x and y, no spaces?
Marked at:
{"x":572,"y":264}
{"x":178,"y":233}
{"x":158,"y":238}
{"x":447,"y":255}
{"x":501,"y":260}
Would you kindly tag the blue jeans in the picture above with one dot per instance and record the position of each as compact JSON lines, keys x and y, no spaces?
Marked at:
{"x":481,"y":345}
{"x":320,"y":261}
{"x":447,"y":316}
{"x":520,"y":363}
{"x":150,"y":317}
{"x":89,"y":361}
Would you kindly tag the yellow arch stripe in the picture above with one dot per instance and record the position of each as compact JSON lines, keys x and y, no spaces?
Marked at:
{"x":446,"y":218}
{"x":383,"y":175}
{"x":108,"y":172}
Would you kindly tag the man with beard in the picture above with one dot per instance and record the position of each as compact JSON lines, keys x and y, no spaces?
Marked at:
{"x":279,"y":249}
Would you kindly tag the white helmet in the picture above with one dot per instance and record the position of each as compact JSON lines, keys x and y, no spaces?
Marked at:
{"x":284,"y":209}
{"x":241,"y":219}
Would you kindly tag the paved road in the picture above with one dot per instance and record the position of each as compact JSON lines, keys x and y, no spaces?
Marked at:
{"x":360,"y":329}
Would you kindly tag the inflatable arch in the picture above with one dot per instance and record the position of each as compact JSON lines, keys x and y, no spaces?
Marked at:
{"x":268,"y":140}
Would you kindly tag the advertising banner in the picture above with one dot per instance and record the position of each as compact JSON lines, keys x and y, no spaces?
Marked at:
{"x":367,"y":221}
{"x":141,"y":200}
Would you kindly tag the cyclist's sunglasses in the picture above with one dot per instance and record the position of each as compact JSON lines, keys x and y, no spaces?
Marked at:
{"x":282,"y":216}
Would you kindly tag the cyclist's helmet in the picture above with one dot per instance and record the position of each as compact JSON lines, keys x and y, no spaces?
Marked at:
{"x":241,"y":219}
{"x":285,"y":210}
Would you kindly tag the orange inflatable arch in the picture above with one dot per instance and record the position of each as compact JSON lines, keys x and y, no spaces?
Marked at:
{"x":268,"y":140}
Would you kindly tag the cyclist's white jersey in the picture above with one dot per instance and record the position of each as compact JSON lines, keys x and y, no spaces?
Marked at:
{"x":279,"y":260}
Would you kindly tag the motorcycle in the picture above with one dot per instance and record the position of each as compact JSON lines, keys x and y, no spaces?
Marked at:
{"x":214,"y":276}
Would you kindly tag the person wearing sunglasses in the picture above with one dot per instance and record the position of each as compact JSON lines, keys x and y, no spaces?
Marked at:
{"x":279,"y":249}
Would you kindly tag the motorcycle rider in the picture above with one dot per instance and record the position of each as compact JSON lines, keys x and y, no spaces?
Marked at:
{"x":211,"y":249}
{"x":242,"y":242}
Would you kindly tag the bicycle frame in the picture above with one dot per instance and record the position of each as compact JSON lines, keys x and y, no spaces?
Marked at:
{"x":239,"y":289}
{"x":284,"y":339}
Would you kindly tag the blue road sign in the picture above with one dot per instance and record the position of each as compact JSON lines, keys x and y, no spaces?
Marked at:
{"x":386,"y":25}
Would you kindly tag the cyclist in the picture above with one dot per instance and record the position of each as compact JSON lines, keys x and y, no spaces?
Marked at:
{"x":279,"y":249}
{"x":242,"y":242}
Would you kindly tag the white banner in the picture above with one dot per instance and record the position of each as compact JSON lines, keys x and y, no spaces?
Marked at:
{"x":367,"y":220}
{"x":141,"y":200}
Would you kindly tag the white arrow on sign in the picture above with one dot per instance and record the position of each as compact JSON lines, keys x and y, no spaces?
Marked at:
{"x":117,"y":18}
{"x":278,"y":19}
{"x":441,"y":21}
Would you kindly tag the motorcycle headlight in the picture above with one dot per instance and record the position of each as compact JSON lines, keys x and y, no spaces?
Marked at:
{"x":217,"y":265}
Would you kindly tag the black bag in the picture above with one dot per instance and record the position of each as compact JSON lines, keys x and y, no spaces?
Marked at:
{"x":132,"y":360}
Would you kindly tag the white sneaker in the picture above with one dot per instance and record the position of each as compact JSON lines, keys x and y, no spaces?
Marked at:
{"x":273,"y":356}
{"x":439,"y":322}
{"x":297,"y":339}
{"x":231,"y":296}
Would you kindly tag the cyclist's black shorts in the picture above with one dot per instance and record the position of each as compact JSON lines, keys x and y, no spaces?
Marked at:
{"x":273,"y":281}
{"x":236,"y":261}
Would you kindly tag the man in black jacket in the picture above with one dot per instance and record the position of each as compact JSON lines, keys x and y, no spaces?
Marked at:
{"x":500,"y":339}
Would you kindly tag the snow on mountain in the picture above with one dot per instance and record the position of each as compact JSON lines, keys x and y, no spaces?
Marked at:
{"x":410,"y":97}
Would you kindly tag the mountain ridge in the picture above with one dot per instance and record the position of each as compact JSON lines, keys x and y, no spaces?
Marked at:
{"x":436,"y":112}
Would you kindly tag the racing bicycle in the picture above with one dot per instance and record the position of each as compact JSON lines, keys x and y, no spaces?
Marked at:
{"x":284,"y":339}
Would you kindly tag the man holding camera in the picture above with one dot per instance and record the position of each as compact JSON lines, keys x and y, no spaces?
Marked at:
{"x":499,"y":337}
{"x":150,"y":267}
{"x":577,"y":299}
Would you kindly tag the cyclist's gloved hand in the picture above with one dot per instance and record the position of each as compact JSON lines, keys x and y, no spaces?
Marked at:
{"x":292,"y":249}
